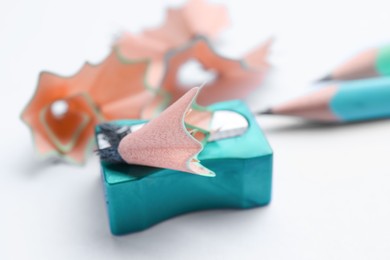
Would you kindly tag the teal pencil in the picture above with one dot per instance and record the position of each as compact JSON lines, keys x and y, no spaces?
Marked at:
{"x":370,"y":63}
{"x":349,"y":101}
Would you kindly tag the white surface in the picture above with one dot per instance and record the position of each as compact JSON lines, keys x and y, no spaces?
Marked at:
{"x":331,"y":186}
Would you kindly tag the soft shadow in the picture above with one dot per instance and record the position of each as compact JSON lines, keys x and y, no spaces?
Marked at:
{"x":199,"y":228}
{"x":33,"y":165}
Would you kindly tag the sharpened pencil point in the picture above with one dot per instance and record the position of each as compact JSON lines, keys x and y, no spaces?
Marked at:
{"x":266,"y":112}
{"x":326,"y":78}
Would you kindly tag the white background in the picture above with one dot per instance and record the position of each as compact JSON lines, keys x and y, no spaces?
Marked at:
{"x":331,"y":197}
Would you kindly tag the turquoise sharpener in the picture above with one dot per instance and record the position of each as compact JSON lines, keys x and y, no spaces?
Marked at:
{"x":139,"y":197}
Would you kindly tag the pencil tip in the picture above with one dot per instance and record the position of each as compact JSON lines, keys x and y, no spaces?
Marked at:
{"x":326,"y":78}
{"x":266,"y":112}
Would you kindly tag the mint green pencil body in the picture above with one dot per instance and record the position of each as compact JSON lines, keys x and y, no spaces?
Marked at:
{"x":348,"y":101}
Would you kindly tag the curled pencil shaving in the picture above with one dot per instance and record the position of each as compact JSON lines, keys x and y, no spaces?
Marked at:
{"x":234,"y":79}
{"x":166,"y":141}
{"x":64,"y":110}
{"x":180,"y":26}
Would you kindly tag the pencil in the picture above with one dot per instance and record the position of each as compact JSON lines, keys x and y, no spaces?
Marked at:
{"x":350,"y":101}
{"x":368,"y":64}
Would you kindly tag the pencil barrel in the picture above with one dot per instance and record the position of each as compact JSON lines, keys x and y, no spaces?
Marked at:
{"x":362,"y":100}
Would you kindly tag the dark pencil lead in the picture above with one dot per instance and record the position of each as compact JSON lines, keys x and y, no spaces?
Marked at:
{"x":265,"y":112}
{"x":325,"y":78}
{"x":111,"y":154}
{"x":110,"y":132}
